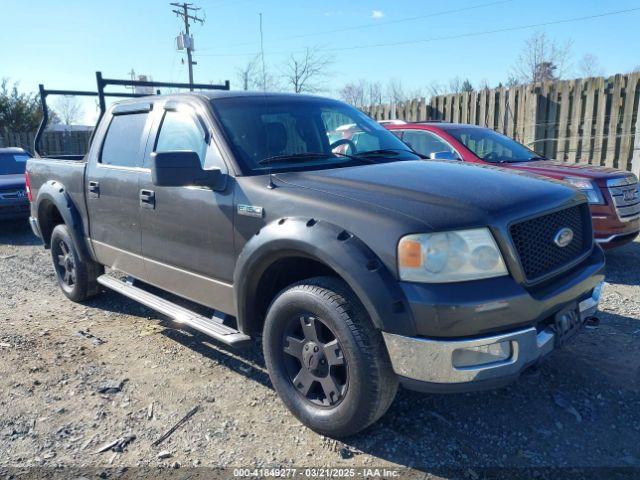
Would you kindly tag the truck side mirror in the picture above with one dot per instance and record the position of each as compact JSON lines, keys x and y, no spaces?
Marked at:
{"x":444,"y":156}
{"x":183,"y":169}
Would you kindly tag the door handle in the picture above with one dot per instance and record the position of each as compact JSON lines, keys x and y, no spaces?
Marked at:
{"x":94,"y":188}
{"x":147,"y":199}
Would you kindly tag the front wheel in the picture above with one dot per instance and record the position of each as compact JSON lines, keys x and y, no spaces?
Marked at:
{"x":77,"y":278}
{"x":325,"y":359}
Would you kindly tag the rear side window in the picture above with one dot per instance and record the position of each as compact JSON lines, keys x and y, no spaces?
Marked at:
{"x":121,"y":146}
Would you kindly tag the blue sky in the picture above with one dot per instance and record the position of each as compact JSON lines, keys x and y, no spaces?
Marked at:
{"x":63,"y":43}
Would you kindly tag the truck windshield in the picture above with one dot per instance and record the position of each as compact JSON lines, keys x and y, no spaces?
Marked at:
{"x":492,"y":146}
{"x":285,"y":133}
{"x":13,"y":163}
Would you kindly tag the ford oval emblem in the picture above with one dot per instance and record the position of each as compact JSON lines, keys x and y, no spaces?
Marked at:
{"x":563,"y":237}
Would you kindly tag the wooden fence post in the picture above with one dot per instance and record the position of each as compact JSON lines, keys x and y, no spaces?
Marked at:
{"x":626,"y":138}
{"x":635,"y":161}
{"x":614,"y":117}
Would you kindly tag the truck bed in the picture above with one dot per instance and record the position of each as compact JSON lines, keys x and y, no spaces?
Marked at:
{"x":66,"y":171}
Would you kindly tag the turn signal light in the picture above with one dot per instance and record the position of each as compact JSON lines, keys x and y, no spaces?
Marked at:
{"x":410,"y":253}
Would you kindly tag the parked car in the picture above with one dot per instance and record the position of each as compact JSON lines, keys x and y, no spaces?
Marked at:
{"x":359,"y":270}
{"x":614,"y":195}
{"x":13,"y":191}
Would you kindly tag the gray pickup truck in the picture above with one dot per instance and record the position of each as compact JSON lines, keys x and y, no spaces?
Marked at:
{"x":361,"y":267}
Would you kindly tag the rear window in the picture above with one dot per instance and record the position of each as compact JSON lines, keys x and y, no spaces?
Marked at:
{"x":121,"y":146}
{"x":13,"y":163}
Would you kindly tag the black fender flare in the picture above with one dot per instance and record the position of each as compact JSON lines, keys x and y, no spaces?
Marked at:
{"x":54,"y":193}
{"x":334,"y":247}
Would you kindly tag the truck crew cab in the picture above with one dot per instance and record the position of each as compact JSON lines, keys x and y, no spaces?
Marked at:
{"x":359,"y":270}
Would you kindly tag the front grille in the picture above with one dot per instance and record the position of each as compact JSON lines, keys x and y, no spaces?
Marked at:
{"x":534,"y":240}
{"x":626,"y":197}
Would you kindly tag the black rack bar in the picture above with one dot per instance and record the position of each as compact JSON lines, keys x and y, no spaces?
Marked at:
{"x":102,"y":83}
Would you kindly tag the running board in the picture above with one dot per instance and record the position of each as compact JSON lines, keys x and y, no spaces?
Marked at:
{"x":213,"y":328}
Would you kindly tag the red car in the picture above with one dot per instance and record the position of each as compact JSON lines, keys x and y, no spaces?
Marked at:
{"x":614,"y":195}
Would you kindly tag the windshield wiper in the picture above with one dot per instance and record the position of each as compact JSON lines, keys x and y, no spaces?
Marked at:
{"x":381,"y":152}
{"x":307,"y":155}
{"x":289,"y":157}
{"x":537,"y":158}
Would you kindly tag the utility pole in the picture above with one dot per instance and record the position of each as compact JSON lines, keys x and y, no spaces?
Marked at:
{"x":132,"y":74}
{"x":264,"y":68}
{"x":187,"y":39}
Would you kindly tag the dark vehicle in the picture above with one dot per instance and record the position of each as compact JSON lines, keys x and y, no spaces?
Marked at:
{"x":613,"y":195}
{"x":13,"y":191}
{"x":359,"y":270}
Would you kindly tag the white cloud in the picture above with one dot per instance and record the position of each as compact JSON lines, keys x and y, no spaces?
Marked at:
{"x":377,"y":14}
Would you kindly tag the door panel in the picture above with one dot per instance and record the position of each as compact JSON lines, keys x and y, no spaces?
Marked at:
{"x":187,"y":237}
{"x":112,"y":194}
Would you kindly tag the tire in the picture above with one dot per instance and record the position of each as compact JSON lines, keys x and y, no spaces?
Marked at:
{"x":76,"y":278}
{"x":361,"y":385}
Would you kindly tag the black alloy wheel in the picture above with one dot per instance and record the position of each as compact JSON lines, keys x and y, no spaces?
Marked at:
{"x":314,"y":361}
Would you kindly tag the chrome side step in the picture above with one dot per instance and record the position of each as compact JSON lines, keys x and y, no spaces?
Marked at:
{"x":213,"y":328}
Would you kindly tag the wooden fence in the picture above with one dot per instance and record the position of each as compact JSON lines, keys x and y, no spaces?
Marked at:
{"x":592,"y":120}
{"x":53,"y":142}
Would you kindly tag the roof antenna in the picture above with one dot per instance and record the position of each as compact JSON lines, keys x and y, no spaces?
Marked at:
{"x":271,"y":185}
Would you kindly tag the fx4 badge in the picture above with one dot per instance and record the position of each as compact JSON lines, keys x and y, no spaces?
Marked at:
{"x":250,"y":211}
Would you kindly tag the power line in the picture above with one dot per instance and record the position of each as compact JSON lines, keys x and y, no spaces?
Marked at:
{"x":187,"y":39}
{"x":448,"y":37}
{"x":380,"y":24}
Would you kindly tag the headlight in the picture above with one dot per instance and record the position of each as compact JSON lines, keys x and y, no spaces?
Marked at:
{"x":450,"y":256}
{"x":591,"y":190}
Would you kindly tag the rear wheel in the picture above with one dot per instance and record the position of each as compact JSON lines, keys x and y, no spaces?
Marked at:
{"x":326,"y":360}
{"x":77,"y":278}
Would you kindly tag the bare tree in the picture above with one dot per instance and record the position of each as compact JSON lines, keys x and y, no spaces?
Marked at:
{"x":512,"y":81}
{"x":395,"y":91}
{"x":362,"y":93}
{"x":68,"y":109}
{"x":459,"y":85}
{"x":542,"y":59}
{"x":354,"y":93}
{"x":374,"y":93}
{"x":302,"y":73}
{"x":436,"y":89}
{"x":249,"y":74}
{"x":589,"y":66}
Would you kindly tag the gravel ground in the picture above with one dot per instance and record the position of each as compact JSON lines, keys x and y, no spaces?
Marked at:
{"x":579,"y":409}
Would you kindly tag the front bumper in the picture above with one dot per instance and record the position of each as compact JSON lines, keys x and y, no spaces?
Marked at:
{"x":610,"y":231}
{"x":429,"y":364}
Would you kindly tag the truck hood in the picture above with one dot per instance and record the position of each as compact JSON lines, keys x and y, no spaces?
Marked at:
{"x":438,"y":193}
{"x":12,"y":181}
{"x":557,"y":169}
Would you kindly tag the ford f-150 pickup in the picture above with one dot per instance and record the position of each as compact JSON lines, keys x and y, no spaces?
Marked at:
{"x":360,"y":267}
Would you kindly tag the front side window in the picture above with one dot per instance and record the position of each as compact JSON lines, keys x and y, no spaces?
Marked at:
{"x":493,"y":147}
{"x":426,"y":143}
{"x":13,"y":163}
{"x":274,"y":133}
{"x":121,"y":145}
{"x":180,"y":130}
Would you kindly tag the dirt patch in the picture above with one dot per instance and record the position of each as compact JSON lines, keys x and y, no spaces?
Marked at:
{"x":581,"y":408}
